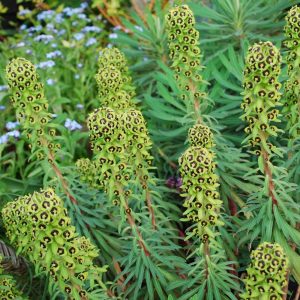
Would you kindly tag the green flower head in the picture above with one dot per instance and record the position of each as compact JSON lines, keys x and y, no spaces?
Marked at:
{"x":27,"y":97}
{"x":261,"y":92}
{"x":113,"y":80}
{"x":27,"y":93}
{"x":292,"y":85}
{"x":199,"y":186}
{"x":8,"y":289}
{"x":266,"y":275}
{"x":184,"y":51}
{"x":200,"y":135}
{"x":112,"y":57}
{"x":49,"y":240}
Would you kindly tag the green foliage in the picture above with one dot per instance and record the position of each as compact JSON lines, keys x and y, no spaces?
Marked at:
{"x":154,"y":181}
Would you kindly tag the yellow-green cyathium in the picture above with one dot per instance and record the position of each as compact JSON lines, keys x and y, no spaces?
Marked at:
{"x":200,"y":184}
{"x":8,"y":289}
{"x":38,"y":226}
{"x":114,"y":82}
{"x":28,"y":98}
{"x":261,"y":95}
{"x":118,"y":133}
{"x":185,"y":53}
{"x":291,"y":109}
{"x":266,"y":275}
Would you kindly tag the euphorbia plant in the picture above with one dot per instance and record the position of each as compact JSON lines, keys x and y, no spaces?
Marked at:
{"x":52,"y":244}
{"x":266,"y":275}
{"x":8,"y":288}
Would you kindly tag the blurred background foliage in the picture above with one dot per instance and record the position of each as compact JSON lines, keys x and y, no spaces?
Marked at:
{"x":64,"y":38}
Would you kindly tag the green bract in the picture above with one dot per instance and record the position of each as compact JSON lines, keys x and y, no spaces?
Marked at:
{"x":31,"y":105}
{"x":201,"y":135}
{"x":108,"y":144}
{"x":118,"y":132}
{"x":266,"y":275}
{"x":184,"y":51}
{"x":291,"y":108}
{"x":261,"y":94}
{"x":8,"y":288}
{"x":113,"y":80}
{"x":39,"y":227}
{"x":200,"y":183}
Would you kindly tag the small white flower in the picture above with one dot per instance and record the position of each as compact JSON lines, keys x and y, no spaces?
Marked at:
{"x":78,"y":36}
{"x":24,"y":12}
{"x":2,"y":107}
{"x":46,"y":38}
{"x":54,"y":54}
{"x":84,"y":5}
{"x":45,"y":64}
{"x":3,"y":139}
{"x":11,"y":125}
{"x":90,"y":41}
{"x":80,"y":65}
{"x":28,"y":51}
{"x":82,"y":16}
{"x":50,"y":26}
{"x":3,"y":88}
{"x":72,"y":125}
{"x":50,"y":81}
{"x":91,"y":29}
{"x":23,"y":27}
{"x":113,"y":36}
{"x":79,"y":106}
{"x":59,"y":18}
{"x":76,"y":76}
{"x":116,"y":28}
{"x":21,"y":44}
{"x":45,"y":15}
{"x":35,"y":29}
{"x":14,"y":133}
{"x":61,"y":32}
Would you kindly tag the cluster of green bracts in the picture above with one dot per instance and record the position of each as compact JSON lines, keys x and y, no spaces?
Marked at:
{"x":197,"y":167}
{"x":261,"y":95}
{"x":8,"y":289}
{"x":38,"y":226}
{"x":184,"y":51}
{"x":291,"y":108}
{"x":266,"y":275}
{"x":200,"y":183}
{"x":118,"y":132}
{"x":31,"y":106}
